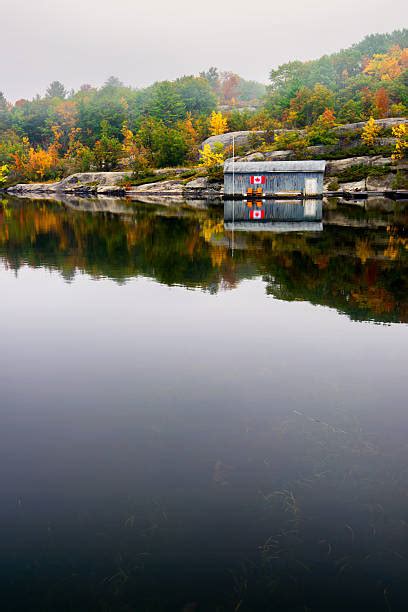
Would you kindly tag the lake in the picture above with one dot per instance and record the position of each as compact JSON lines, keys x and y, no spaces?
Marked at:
{"x":200,"y":417}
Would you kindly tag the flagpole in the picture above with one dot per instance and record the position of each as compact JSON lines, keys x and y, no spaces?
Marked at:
{"x":233,"y":191}
{"x":233,"y":166}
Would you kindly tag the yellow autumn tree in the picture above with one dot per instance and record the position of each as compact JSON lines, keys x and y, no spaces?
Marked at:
{"x":3,"y":173}
{"x":400,"y":132}
{"x":211,"y":157}
{"x":218,"y":124}
{"x":370,"y":132}
{"x":128,"y":143}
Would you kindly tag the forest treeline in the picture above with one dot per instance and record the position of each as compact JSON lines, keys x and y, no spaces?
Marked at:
{"x":116,"y":126}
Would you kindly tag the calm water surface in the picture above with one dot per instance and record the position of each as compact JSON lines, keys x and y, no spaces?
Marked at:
{"x":199,"y":419}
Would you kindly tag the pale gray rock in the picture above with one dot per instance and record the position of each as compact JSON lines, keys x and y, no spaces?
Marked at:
{"x":380,"y":183}
{"x":198,"y":183}
{"x":353,"y":186}
{"x":335,"y":166}
{"x":383,"y":123}
{"x":171,"y":187}
{"x":110,"y":190}
{"x":253,"y":157}
{"x":278,"y":155}
{"x":81,"y":182}
{"x":170,"y":171}
{"x":241,"y":138}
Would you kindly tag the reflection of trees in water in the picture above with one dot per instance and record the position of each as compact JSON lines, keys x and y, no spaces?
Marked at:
{"x":360,"y":271}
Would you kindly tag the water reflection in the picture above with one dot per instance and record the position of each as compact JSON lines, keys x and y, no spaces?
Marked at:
{"x":273,"y":215}
{"x":358,"y":264}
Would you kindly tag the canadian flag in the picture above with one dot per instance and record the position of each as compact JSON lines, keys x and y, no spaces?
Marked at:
{"x":256,"y":214}
{"x":258,"y":180}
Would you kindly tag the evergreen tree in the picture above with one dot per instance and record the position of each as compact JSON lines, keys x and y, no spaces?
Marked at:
{"x":56,"y":90}
{"x":166,"y":103}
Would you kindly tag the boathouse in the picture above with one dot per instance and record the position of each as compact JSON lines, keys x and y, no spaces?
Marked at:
{"x":273,"y":178}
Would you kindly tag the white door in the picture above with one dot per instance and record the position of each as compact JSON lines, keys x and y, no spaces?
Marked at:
{"x":310,"y":186}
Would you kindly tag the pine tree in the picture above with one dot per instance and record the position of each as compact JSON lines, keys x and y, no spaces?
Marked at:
{"x":56,"y":90}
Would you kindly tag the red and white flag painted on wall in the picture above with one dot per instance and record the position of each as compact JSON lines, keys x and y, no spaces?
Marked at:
{"x":257,"y":214}
{"x":258,"y":180}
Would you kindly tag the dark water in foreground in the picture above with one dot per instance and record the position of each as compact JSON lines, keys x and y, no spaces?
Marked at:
{"x":183,"y":427}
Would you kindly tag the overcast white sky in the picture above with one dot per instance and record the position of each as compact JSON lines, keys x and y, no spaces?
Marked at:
{"x":86,"y":41}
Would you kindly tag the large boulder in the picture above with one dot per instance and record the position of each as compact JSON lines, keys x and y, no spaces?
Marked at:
{"x":335,"y":166}
{"x":198,"y":183}
{"x":253,"y":157}
{"x":353,"y":186}
{"x":383,"y":123}
{"x":81,"y":182}
{"x":241,"y":138}
{"x":279,"y":155}
{"x":162,"y":187}
{"x":380,"y":183}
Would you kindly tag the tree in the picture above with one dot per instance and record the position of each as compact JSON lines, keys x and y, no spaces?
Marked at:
{"x":190,"y":136}
{"x":113,"y":82}
{"x":5,"y":115}
{"x":169,"y":146}
{"x":250,"y":90}
{"x":3,"y":173}
{"x":212,"y":77}
{"x":382,"y":103}
{"x":212,"y":158}
{"x":400,"y":132}
{"x":308,"y":104}
{"x":136,"y":153}
{"x":197,"y":95}
{"x":218,"y":124}
{"x":388,"y":66}
{"x":166,"y":104}
{"x":107,"y":150}
{"x":370,"y":132}
{"x":350,"y":112}
{"x":79,"y":157}
{"x":56,"y":90}
{"x":321,"y":131}
{"x":3,"y":103}
{"x":229,"y":86}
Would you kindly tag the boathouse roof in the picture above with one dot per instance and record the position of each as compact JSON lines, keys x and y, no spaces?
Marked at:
{"x":274,"y":166}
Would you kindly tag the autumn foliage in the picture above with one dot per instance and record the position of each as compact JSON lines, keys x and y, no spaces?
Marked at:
{"x":370,"y":132}
{"x":218,"y":124}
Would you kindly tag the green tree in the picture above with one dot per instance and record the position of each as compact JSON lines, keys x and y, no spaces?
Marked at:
{"x":5,"y":115}
{"x":197,"y":95}
{"x":107,"y":150}
{"x":212,"y":77}
{"x":170,"y":146}
{"x":166,"y":103}
{"x":56,"y":90}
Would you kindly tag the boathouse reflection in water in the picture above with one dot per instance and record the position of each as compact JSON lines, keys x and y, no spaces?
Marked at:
{"x":273,"y":215}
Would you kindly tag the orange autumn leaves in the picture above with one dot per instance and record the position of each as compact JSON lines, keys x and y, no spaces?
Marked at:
{"x":388,"y":66}
{"x":35,"y":164}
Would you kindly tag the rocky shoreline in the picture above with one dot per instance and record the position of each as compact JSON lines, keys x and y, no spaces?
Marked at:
{"x":378,"y":176}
